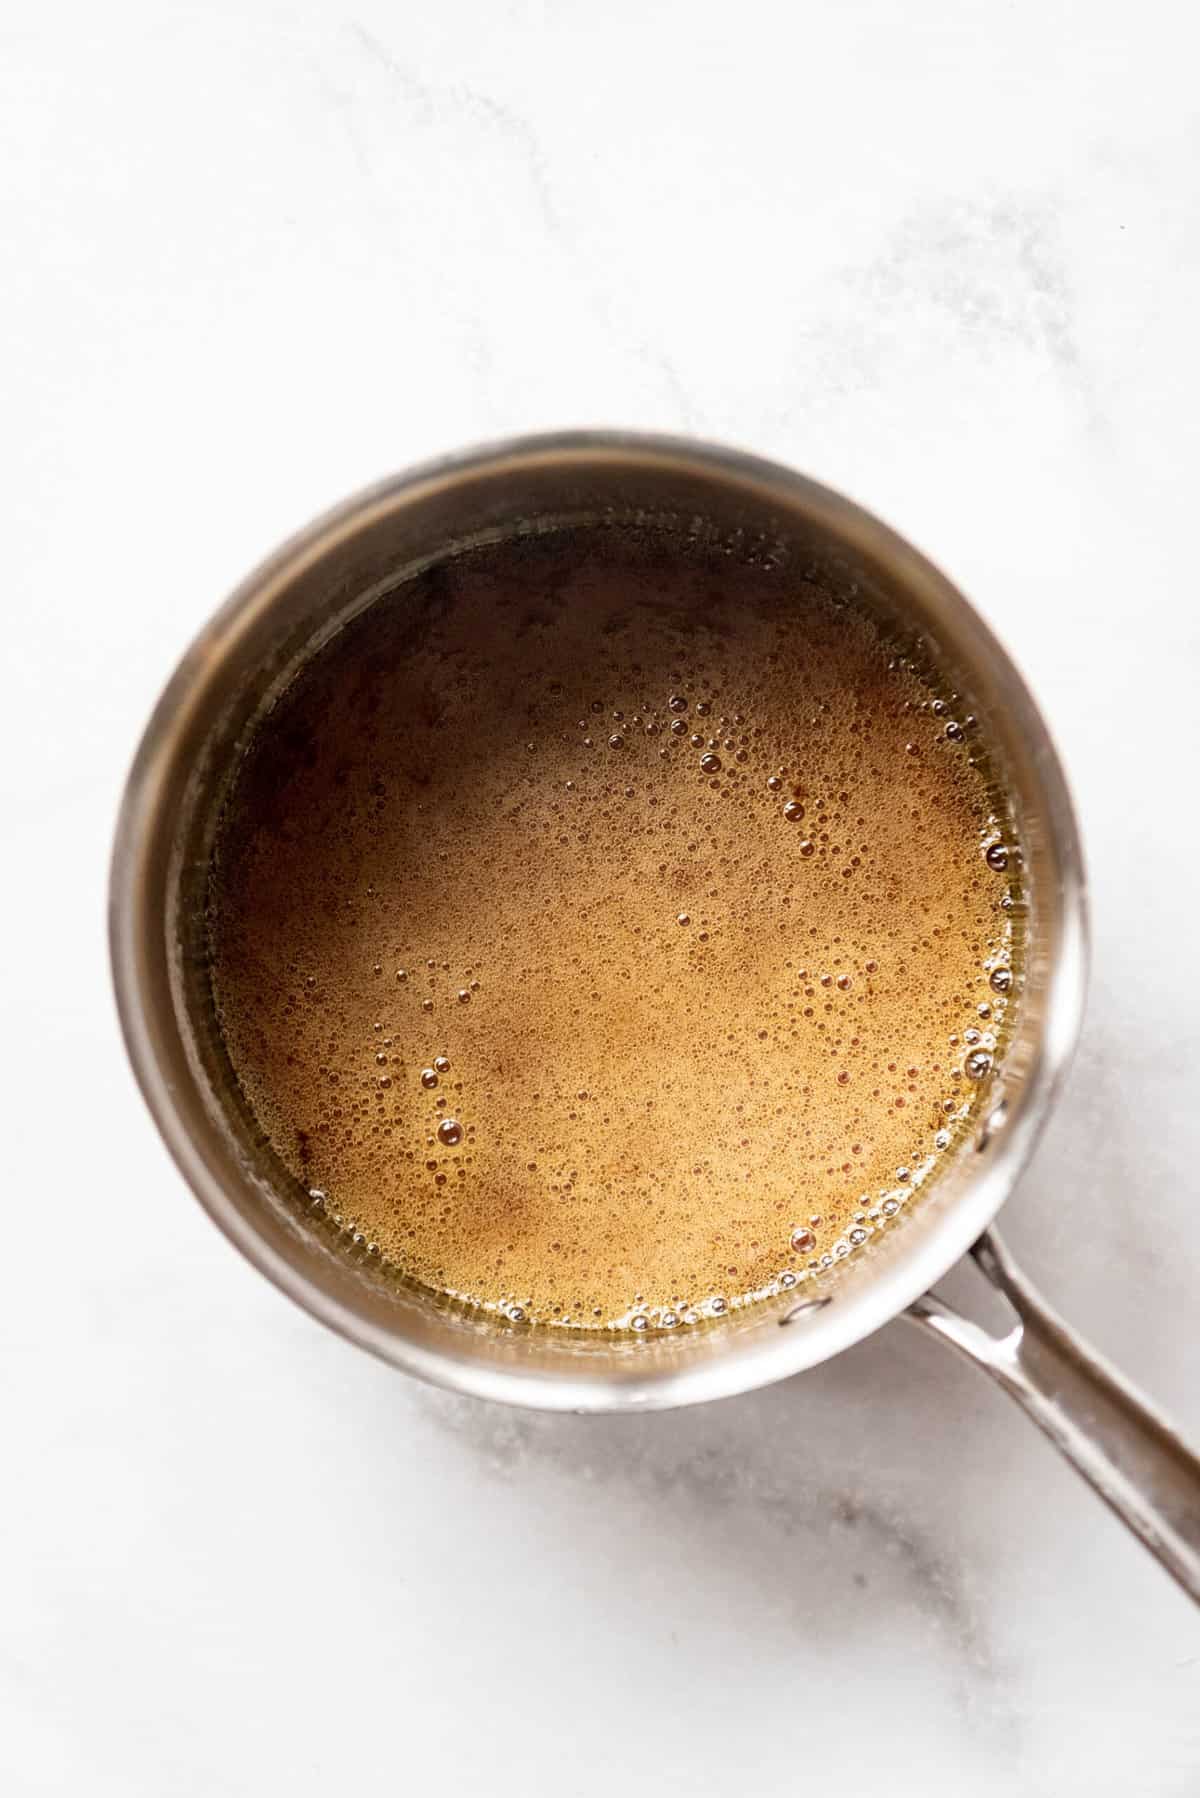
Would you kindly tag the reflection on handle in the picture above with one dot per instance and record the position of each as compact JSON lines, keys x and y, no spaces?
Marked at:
{"x":1123,"y":1448}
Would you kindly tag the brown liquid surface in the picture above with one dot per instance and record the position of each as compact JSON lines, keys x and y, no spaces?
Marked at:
{"x":529,"y":815}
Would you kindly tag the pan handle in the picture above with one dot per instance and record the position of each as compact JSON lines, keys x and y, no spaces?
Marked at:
{"x":1123,"y":1447}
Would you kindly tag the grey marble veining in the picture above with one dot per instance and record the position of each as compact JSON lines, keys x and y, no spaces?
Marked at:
{"x":946,"y":258}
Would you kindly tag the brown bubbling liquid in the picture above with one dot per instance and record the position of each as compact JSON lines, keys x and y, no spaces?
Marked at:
{"x":607,"y":936}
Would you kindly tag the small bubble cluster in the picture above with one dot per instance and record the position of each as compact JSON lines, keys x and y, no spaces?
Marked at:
{"x":602,"y":1040}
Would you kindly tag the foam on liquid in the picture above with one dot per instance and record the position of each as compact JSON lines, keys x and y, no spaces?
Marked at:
{"x":608,"y":937}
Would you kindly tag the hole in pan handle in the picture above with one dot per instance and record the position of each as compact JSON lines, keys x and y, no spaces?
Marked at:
{"x":1112,"y":1435}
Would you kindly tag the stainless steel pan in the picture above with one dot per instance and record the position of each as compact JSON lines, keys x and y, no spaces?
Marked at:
{"x":1132,"y":1456}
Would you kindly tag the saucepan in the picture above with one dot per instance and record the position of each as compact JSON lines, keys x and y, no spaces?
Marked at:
{"x":745,"y":507}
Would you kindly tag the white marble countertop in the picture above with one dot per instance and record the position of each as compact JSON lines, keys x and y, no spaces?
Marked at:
{"x":945,"y":256}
